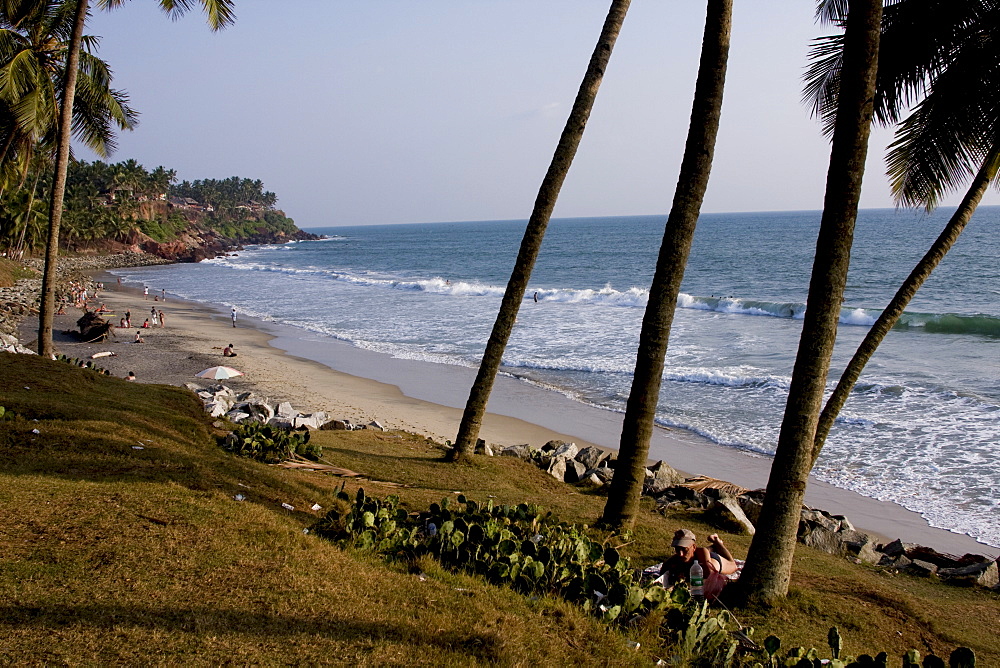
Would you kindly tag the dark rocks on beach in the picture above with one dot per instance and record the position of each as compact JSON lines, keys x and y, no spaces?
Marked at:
{"x":898,"y":562}
{"x":660,"y":477}
{"x":896,"y":547}
{"x":921,"y":568}
{"x":592,"y":457}
{"x":521,"y":451}
{"x":726,"y":512}
{"x":984,"y":574}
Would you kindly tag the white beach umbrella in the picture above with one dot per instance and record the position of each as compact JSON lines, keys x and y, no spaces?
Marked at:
{"x":219,"y":373}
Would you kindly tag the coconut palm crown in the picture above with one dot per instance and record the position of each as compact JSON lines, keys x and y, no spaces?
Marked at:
{"x":33,"y":50}
{"x":940,"y":58}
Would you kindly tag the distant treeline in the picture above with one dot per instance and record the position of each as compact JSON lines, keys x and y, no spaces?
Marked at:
{"x":116,"y":202}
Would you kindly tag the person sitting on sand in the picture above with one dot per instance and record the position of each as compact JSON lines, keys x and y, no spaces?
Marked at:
{"x":138,"y":336}
{"x":228,"y":351}
{"x":122,"y":324}
{"x":130,"y":376}
{"x":715,"y":560}
{"x":145,"y":323}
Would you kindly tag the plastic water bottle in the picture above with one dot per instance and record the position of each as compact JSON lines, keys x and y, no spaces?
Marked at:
{"x":697,"y":580}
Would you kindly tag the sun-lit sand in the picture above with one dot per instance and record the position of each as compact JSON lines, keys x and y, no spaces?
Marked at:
{"x":319,"y":374}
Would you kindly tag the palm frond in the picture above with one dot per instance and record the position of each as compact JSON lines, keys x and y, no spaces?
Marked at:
{"x":947,"y":136}
{"x":831,"y":11}
{"x":20,"y":75}
{"x":220,"y":13}
{"x":96,"y":111}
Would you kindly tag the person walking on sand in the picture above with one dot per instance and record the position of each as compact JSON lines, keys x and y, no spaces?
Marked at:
{"x":145,"y":292}
{"x":163,"y":295}
{"x":161,"y":318}
{"x":233,"y":314}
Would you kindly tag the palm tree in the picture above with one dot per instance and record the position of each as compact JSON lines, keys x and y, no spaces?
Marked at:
{"x":696,"y":166}
{"x":531,"y":243}
{"x":769,"y":560}
{"x":33,"y":37}
{"x":220,"y":14}
{"x":946,"y":53}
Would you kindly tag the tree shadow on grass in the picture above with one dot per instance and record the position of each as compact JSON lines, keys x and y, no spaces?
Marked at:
{"x":212,"y":622}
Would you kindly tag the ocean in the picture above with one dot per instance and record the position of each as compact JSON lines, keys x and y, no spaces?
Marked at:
{"x":921,"y":429}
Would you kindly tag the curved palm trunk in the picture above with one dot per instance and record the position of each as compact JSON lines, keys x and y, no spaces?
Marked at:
{"x":548,"y":192}
{"x":888,"y":318}
{"x":696,"y":166}
{"x":46,"y":307}
{"x":19,"y":248}
{"x":769,"y":561}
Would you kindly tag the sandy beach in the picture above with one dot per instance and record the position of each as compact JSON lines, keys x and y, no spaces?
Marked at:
{"x":316,"y":373}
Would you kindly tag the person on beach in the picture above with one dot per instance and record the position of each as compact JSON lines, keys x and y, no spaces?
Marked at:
{"x":161,"y":318}
{"x":716,"y":562}
{"x":163,"y":295}
{"x":128,"y":319}
{"x":145,"y":292}
{"x":154,"y":317}
{"x":138,"y":337}
{"x":233,"y":314}
{"x":130,"y":377}
{"x":145,"y":323}
{"x":122,"y":325}
{"x":228,"y":351}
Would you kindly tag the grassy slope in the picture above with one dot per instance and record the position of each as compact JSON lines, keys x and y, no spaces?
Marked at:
{"x":112,"y":554}
{"x":11,"y":271}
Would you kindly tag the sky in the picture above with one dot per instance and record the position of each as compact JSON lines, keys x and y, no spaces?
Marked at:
{"x":403,"y":111}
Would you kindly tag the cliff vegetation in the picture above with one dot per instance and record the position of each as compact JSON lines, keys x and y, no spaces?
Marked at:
{"x":125,"y":207}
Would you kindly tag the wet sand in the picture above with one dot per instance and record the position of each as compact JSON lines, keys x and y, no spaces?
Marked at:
{"x":316,"y":373}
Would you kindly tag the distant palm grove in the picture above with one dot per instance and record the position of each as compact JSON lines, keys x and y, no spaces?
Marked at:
{"x":127,"y":203}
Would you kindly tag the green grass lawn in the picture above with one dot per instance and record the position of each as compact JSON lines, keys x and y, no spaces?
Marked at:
{"x":113,"y":554}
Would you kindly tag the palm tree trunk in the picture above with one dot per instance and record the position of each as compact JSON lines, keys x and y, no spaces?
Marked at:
{"x":769,"y":561}
{"x":46,"y":307}
{"x":19,"y":248}
{"x":696,"y":166}
{"x":888,"y":318}
{"x":531,"y":243}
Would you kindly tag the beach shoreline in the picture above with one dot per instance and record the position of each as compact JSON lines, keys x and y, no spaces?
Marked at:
{"x":319,"y":373}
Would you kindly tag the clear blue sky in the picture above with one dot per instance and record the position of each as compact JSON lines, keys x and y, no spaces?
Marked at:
{"x":389,"y":111}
